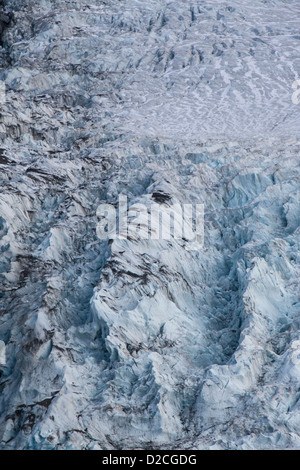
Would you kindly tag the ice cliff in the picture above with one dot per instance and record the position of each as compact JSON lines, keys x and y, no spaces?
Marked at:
{"x":130,"y":344}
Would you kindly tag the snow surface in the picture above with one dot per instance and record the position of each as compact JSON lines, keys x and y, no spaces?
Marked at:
{"x":140,"y":343}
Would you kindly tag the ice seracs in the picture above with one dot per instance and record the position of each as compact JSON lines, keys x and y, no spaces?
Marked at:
{"x":142,"y":343}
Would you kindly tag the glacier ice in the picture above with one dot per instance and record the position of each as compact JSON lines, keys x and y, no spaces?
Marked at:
{"x":128,"y":343}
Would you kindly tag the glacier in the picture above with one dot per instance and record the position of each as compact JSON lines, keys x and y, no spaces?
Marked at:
{"x":145,"y":344}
